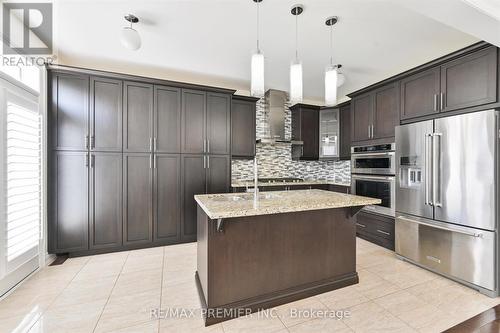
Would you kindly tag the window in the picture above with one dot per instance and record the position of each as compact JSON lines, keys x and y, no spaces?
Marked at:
{"x":29,"y":75}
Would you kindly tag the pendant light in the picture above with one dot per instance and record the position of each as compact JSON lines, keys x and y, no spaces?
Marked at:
{"x":130,"y":37}
{"x":296,"y":66}
{"x":331,"y":73}
{"x":257,"y":65}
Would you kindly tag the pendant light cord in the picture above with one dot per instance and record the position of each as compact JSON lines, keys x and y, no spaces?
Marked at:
{"x":297,"y":38}
{"x":258,"y":24}
{"x":331,"y":45}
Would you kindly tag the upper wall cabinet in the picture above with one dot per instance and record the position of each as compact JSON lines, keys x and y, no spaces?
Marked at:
{"x":419,"y":94}
{"x":470,"y":81}
{"x":305,"y":128}
{"x":69,"y":111}
{"x":345,"y":131}
{"x":466,"y":82}
{"x":138,"y":117}
{"x":167,"y":119}
{"x":375,"y":114}
{"x":106,"y":114}
{"x":243,"y":113}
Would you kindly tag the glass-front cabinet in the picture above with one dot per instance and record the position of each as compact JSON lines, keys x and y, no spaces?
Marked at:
{"x":329,"y":133}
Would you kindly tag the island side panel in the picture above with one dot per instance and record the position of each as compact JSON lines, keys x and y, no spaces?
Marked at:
{"x":202,"y":250}
{"x":261,"y":258}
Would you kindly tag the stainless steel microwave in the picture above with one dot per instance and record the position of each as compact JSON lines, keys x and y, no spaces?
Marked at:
{"x":374,"y":160}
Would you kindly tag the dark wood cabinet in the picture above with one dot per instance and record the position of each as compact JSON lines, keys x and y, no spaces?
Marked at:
{"x":193,"y":182}
{"x":137,"y":198}
{"x":420,"y":94}
{"x":243,"y":112}
{"x":69,"y":111}
{"x":106,"y":114}
{"x":339,"y":188}
{"x":137,"y":117}
{"x":375,"y":114}
{"x":305,"y":128}
{"x":68,"y":215}
{"x":386,"y":111}
{"x":105,"y":200}
{"x":167,"y":119}
{"x":218,"y":168}
{"x":218,"y":126}
{"x":193,"y":122}
{"x":377,"y":229}
{"x":345,"y":131}
{"x":361,"y":117}
{"x":167,"y":198}
{"x":470,"y":81}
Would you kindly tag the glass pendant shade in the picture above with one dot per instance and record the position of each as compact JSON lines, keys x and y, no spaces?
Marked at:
{"x":257,"y":80}
{"x":340,"y":79}
{"x":296,"y":82}
{"x":130,"y":38}
{"x":331,"y":80}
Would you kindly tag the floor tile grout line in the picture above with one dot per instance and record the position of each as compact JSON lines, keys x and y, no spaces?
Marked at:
{"x":55,"y":298}
{"x":110,"y":293}
{"x":161,"y":288}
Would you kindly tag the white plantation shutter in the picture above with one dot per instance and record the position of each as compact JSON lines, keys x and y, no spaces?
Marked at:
{"x":21,"y":183}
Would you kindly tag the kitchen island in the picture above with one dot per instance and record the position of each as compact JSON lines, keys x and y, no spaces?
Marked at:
{"x":285,"y":246}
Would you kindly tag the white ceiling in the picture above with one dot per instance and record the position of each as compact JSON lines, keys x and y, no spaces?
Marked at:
{"x":210,"y":42}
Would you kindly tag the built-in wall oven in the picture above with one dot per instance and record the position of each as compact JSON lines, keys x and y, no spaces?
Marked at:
{"x":373,"y":175}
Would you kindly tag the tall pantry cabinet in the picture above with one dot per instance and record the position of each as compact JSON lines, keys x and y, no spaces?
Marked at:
{"x":126,"y":156}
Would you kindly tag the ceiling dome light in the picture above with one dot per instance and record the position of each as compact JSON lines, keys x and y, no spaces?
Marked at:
{"x":296,"y":88}
{"x":257,"y":65}
{"x":130,"y":37}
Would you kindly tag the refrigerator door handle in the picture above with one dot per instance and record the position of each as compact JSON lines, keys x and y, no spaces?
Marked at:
{"x":436,"y":174}
{"x":428,"y":169}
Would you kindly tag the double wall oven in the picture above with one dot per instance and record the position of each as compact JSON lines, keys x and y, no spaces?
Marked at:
{"x":373,"y":170}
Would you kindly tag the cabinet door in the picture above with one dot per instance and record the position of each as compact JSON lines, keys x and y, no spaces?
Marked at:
{"x":167,"y":119}
{"x":193,"y":119}
{"x":193,"y":182}
{"x":138,"y":117}
{"x":470,"y":81}
{"x":218,"y":124}
{"x":218,"y":173}
{"x":105,"y":200}
{"x":310,"y":133}
{"x":386,"y":111}
{"x":345,"y":132}
{"x":69,"y":103}
{"x":361,"y":112}
{"x":243,"y":129}
{"x":69,"y":202}
{"x":106,"y":114}
{"x":419,"y":94}
{"x":167,"y":197}
{"x":137,"y":199}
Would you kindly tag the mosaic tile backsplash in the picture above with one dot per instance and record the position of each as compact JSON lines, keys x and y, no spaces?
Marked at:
{"x":275,"y":160}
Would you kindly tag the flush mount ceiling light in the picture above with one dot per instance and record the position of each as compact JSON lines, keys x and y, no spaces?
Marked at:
{"x":257,"y":69}
{"x":333,"y":78}
{"x":130,"y":37}
{"x":296,"y":66}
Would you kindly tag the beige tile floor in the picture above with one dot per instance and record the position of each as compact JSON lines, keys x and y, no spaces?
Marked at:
{"x":115,"y":293}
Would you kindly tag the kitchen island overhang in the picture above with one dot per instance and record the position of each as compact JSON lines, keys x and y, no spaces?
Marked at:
{"x":292,"y":245}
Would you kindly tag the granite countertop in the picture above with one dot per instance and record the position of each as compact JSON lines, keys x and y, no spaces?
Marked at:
{"x":244,"y":183}
{"x":227,"y":205}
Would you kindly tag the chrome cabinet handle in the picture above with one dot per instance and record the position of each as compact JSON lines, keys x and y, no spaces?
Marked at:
{"x":150,"y":143}
{"x":373,"y":131}
{"x":154,"y":161}
{"x":360,"y":225}
{"x":150,"y":161}
{"x":208,"y":146}
{"x":204,"y":162}
{"x":383,"y":232}
{"x":154,"y":143}
{"x":204,"y":145}
{"x":208,"y":162}
{"x":441,"y":101}
{"x":86,"y":141}
{"x":435,"y":102}
{"x":369,"y":135}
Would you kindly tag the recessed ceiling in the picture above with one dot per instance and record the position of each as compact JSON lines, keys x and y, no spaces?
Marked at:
{"x":211,"y":42}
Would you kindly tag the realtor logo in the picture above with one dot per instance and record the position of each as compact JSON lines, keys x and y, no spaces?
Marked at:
{"x":27,"y":28}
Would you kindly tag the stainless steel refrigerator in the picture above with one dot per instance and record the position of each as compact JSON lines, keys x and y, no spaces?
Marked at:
{"x":447,"y":197}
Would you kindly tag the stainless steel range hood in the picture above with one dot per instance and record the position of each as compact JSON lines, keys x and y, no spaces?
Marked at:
{"x":275,"y":112}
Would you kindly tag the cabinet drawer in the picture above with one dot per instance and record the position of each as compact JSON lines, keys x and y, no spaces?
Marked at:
{"x":376,"y":225}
